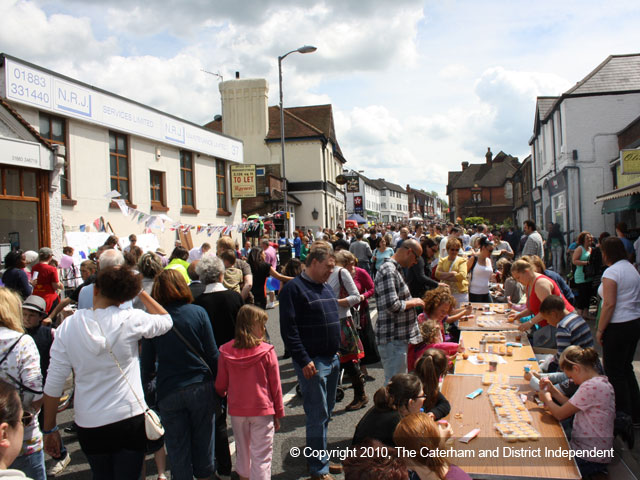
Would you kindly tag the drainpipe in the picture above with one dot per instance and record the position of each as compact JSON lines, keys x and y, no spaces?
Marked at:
{"x":324,"y":173}
{"x":575,"y":167}
{"x":553,"y":139}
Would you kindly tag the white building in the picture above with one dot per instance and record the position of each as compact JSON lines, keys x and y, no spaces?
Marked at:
{"x":313,"y":158}
{"x":160,"y":164}
{"x":364,"y":201}
{"x":394,"y":201}
{"x":575,"y":143}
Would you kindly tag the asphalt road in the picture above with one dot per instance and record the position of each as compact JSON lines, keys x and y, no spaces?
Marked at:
{"x":291,"y":434}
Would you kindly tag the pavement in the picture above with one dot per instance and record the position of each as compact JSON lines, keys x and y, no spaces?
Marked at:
{"x":341,"y":428}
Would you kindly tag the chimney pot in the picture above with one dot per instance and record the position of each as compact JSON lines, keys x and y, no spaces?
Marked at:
{"x":489,"y":156}
{"x":465,"y":165}
{"x":237,"y":75}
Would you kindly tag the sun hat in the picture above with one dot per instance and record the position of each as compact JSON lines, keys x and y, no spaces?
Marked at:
{"x":35,"y":303}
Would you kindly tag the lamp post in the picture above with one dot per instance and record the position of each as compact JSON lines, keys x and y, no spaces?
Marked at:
{"x":304,"y":49}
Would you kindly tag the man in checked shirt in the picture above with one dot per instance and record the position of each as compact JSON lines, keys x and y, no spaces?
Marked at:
{"x":397,"y":324}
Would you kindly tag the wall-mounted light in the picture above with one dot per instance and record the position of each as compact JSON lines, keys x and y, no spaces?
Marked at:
{"x":158,"y":153}
{"x":315,"y":214}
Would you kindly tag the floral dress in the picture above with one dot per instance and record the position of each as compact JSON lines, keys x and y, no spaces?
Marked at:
{"x":22,"y":366}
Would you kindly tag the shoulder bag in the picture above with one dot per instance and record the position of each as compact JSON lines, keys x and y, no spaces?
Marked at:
{"x":152,"y":425}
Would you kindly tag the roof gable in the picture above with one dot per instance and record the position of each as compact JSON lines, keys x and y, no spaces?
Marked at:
{"x":305,"y":122}
{"x":502,"y":167}
{"x":618,"y":73}
{"x":14,"y":113}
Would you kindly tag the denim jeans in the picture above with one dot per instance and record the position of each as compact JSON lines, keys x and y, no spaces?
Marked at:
{"x":32,"y":465}
{"x":319,"y":398}
{"x":122,"y":465}
{"x":188,"y":416}
{"x":557,"y":253}
{"x":393,"y":355}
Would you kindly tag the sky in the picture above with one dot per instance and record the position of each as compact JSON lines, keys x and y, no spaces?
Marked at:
{"x":417,"y":86}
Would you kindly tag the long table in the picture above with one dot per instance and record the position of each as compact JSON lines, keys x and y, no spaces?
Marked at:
{"x":515,"y":363}
{"x":467,"y":414}
{"x":499,"y":315}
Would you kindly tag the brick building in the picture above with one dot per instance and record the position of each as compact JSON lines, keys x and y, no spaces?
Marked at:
{"x":483,"y":189}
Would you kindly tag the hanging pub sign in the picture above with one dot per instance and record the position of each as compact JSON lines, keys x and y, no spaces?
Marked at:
{"x":353,"y":184}
{"x":243,"y":181}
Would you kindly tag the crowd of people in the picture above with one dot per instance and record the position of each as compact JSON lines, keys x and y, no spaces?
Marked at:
{"x":185,"y":336}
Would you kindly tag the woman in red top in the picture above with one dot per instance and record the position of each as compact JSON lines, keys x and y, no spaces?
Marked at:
{"x":538,"y":288}
{"x":46,"y":283}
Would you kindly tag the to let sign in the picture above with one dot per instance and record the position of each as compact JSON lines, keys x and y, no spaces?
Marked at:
{"x":243,"y":181}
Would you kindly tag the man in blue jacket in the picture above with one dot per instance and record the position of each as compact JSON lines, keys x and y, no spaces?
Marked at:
{"x":310,"y":328}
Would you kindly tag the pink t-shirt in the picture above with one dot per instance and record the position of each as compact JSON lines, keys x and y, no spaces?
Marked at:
{"x":593,"y":424}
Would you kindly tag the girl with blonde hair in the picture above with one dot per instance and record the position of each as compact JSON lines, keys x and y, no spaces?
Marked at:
{"x":248,"y":375}
{"x":21,"y":368}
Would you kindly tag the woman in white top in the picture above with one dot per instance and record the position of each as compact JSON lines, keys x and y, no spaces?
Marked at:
{"x":20,"y":367}
{"x":12,"y":423}
{"x":619,"y":326}
{"x":107,"y":411}
{"x":481,"y":270}
{"x":351,"y":350}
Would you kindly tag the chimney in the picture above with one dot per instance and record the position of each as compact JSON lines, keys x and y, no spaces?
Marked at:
{"x":245,"y":115}
{"x":489,"y":156}
{"x":465,"y":165}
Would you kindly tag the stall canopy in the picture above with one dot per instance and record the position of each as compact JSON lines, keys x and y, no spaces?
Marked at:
{"x":357,"y":218}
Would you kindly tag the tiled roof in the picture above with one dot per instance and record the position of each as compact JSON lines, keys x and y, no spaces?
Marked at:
{"x":304,"y":122}
{"x":25,"y":124}
{"x":384,"y":185}
{"x":502,"y":167}
{"x":215,"y":125}
{"x":544,"y":106}
{"x":618,"y":73}
{"x":299,"y":122}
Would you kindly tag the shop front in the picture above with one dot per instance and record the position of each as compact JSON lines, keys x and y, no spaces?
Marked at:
{"x":24,"y":195}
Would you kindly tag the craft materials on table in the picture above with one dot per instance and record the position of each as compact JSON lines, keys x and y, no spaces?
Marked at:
{"x":514,"y":420}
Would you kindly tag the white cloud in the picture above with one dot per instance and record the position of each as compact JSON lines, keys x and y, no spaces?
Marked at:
{"x":26,"y":31}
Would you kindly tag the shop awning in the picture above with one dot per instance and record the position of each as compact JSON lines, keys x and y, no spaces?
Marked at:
{"x":631,"y":202}
{"x":626,"y":198}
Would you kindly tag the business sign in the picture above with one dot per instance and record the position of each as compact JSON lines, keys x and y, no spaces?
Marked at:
{"x":353,"y":184}
{"x":32,"y":86}
{"x":630,"y":162}
{"x":243,"y":181}
{"x":20,"y":153}
{"x":357,"y":204}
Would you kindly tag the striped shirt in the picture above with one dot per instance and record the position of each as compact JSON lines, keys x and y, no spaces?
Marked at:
{"x":392,"y":293}
{"x":572,"y":330}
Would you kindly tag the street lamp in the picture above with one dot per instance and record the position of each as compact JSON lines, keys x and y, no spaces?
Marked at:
{"x":303,"y":49}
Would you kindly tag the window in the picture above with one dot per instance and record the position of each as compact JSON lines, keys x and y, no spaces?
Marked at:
{"x":508,"y":190}
{"x":221,"y":185}
{"x":119,"y":160}
{"x":157,"y":191}
{"x":54,"y":129}
{"x":187,"y":182}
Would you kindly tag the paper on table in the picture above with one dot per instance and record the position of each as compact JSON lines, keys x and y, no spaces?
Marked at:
{"x":487,"y":358}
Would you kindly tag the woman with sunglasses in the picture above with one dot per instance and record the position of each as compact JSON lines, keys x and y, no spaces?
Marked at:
{"x":481,"y":270}
{"x":21,"y":368}
{"x":452,"y":270}
{"x":13,"y":421}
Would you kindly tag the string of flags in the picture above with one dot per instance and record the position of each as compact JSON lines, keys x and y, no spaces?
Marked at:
{"x":162,"y":221}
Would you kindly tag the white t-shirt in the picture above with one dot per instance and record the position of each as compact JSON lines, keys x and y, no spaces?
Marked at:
{"x":627,"y":279}
{"x":480,"y":278}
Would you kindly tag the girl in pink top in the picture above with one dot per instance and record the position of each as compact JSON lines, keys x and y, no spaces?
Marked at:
{"x":593,"y":405}
{"x":254,"y":392}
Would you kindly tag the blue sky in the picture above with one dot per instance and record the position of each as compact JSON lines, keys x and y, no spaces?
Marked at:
{"x":417,"y":86}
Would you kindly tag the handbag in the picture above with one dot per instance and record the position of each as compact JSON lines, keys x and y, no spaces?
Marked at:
{"x":152,"y":426}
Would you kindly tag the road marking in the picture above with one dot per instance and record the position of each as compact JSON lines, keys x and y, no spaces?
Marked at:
{"x":290,"y":395}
